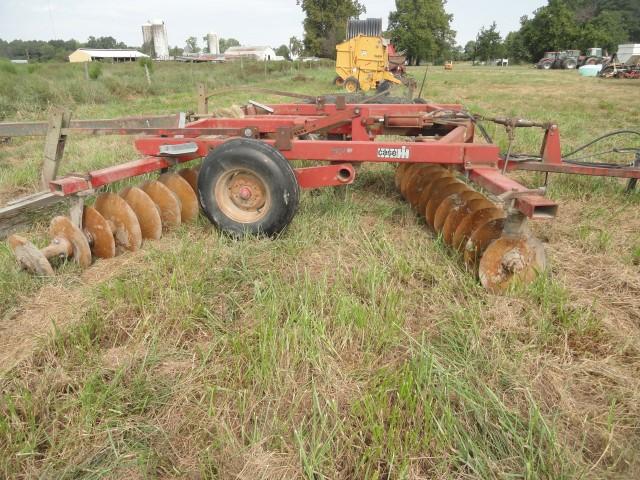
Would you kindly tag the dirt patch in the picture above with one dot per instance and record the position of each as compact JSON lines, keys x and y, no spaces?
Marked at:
{"x":54,"y":307}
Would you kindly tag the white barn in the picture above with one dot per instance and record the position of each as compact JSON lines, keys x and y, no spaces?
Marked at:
{"x":255,"y":53}
{"x":114,"y":55}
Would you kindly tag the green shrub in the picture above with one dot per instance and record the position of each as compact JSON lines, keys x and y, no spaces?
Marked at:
{"x":146,"y":61}
{"x":33,"y":67}
{"x":7,"y":67}
{"x":95,"y":70}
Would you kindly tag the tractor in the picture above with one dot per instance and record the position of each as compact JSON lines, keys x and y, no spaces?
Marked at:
{"x":593,"y":56}
{"x":565,"y":60}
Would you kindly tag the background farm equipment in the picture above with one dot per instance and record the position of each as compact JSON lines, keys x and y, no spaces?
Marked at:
{"x":566,"y":60}
{"x":624,"y":64}
{"x":246,"y":186}
{"x":593,"y":56}
{"x":366,"y":60}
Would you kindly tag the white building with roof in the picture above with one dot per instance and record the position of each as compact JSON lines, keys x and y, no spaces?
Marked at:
{"x":98,"y":54}
{"x":256,"y":53}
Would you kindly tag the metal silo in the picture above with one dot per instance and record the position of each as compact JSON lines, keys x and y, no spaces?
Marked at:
{"x":160,"y":42}
{"x":213,"y":43}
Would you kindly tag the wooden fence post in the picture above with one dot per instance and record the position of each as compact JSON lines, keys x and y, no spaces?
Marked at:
{"x":203,"y":101}
{"x":54,"y":145}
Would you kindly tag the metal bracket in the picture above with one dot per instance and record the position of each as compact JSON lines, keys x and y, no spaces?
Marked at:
{"x":262,"y":106}
{"x":283,"y":138}
{"x":178,"y":149}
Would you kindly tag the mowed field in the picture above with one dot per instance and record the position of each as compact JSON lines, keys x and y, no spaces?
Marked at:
{"x":355,"y":345}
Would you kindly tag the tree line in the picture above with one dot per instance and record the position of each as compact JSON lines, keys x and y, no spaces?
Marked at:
{"x":43,"y":51}
{"x":422,"y":29}
{"x":562,"y":25}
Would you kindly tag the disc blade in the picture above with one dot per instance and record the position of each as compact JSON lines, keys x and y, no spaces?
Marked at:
{"x":400,"y":171}
{"x":103,"y":245}
{"x":29,"y":257}
{"x":408,"y":173}
{"x":461,"y":214}
{"x":125,"y":225}
{"x":511,"y":259}
{"x":63,"y":227}
{"x":191,"y":176}
{"x":425,"y":195}
{"x":480,"y":240}
{"x":417,"y":183}
{"x":189,"y":207}
{"x":146,"y":211}
{"x":472,"y":223}
{"x":450,"y":204}
{"x":439,"y":193}
{"x":166,"y":201}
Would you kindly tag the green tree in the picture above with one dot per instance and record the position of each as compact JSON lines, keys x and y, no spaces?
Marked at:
{"x":515,"y":48}
{"x":296,"y":47}
{"x":489,"y":43}
{"x":104,"y":42}
{"x":283,"y":51}
{"x":553,"y":27}
{"x":607,"y":31}
{"x":470,"y":50}
{"x":325,"y":24}
{"x":228,"y":42}
{"x":192,"y":45}
{"x":422,"y":29}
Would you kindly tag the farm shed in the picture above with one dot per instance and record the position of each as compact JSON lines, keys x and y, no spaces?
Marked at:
{"x":115,"y":55}
{"x":256,"y":53}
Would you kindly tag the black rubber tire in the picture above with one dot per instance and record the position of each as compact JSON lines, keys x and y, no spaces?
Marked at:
{"x":267,"y":163}
{"x":546,"y":65}
{"x":338,"y":81}
{"x":569,"y":64}
{"x":384,"y":86}
{"x":351,"y":84}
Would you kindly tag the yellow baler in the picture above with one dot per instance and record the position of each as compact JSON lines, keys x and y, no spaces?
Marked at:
{"x":362,"y":63}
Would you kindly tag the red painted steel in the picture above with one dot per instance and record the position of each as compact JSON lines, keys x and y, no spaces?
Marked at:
{"x":532,"y":205}
{"x":325,"y":175}
{"x":355,"y":151}
{"x":345,"y":134}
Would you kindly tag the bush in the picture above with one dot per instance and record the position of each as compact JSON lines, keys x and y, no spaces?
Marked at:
{"x":146,"y":61}
{"x":8,"y":67}
{"x":95,"y":70}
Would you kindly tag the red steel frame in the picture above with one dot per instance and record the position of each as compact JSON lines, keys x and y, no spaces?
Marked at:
{"x":352,"y":133}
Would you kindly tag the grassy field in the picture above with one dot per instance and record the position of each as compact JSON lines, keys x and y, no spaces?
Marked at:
{"x":355,"y":345}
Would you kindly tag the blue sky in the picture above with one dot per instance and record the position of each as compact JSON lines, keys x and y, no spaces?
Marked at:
{"x":250,"y":21}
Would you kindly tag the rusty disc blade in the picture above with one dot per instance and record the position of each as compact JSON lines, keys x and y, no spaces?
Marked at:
{"x":425,"y":194}
{"x":472,"y":222}
{"x":461,"y":213}
{"x":511,"y":259}
{"x":419,"y":181}
{"x":167,"y":202}
{"x":400,"y":171}
{"x":441,"y":191}
{"x":146,"y":211}
{"x":191,"y":176}
{"x":63,"y":227}
{"x":450,"y":204}
{"x":406,"y":176}
{"x":480,"y":240}
{"x":188,"y":200}
{"x":103,"y":245}
{"x":29,"y":257}
{"x":124,"y":223}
